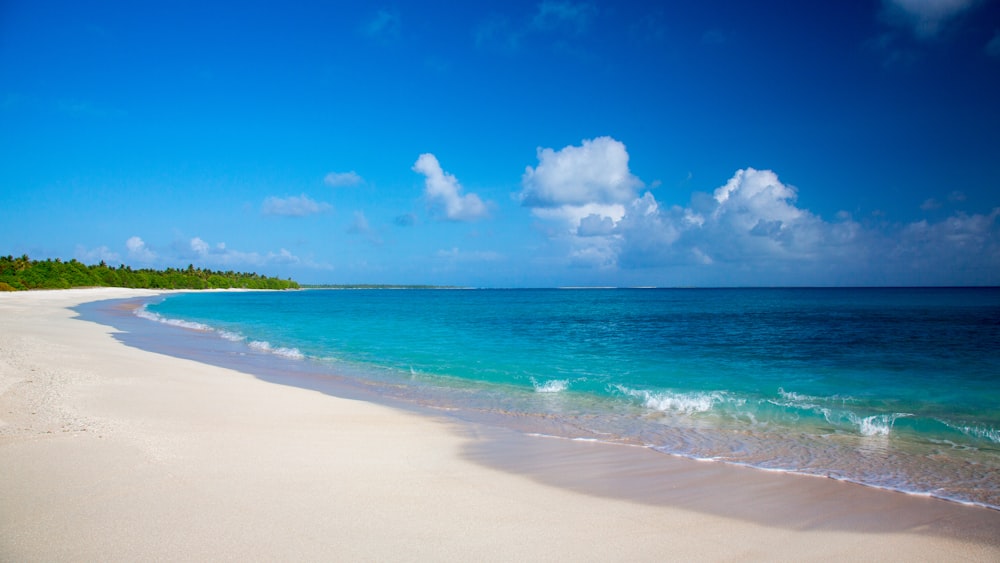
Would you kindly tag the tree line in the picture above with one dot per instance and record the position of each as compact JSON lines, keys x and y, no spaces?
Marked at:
{"x":22,"y":273}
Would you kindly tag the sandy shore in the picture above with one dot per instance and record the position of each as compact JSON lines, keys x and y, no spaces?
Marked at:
{"x":111,"y":453}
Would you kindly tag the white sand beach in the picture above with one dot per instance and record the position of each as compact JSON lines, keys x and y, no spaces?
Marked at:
{"x":110,"y":453}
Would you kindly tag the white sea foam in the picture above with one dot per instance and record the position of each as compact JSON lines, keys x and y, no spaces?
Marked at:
{"x":292,"y":353}
{"x":977,"y":432}
{"x":144,"y":313}
{"x":794,"y":397}
{"x":231,"y":336}
{"x":551,"y":386}
{"x":666,"y":401}
{"x":877,"y":425}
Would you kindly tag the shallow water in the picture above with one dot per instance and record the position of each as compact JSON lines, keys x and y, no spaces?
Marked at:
{"x":893,"y":388}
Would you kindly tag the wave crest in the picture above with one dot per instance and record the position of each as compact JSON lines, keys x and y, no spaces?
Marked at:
{"x":551,"y":386}
{"x":668,"y":401}
{"x":261,"y":346}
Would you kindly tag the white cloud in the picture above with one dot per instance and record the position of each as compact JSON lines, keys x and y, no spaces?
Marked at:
{"x":138,"y":250}
{"x":595,"y":172}
{"x":925,"y":17}
{"x":294,"y":206}
{"x":751,"y":221}
{"x":571,"y":216}
{"x":443,"y":190}
{"x":750,"y":230}
{"x":199,"y":246}
{"x":95,"y":255}
{"x":595,"y":225}
{"x":220,"y":255}
{"x":930,"y":204}
{"x":343,"y":179}
{"x":456,"y":255}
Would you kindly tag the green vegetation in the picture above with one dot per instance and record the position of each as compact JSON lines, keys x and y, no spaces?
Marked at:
{"x":23,"y":273}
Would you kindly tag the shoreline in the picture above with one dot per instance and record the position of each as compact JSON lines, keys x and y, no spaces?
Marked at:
{"x":117,"y":453}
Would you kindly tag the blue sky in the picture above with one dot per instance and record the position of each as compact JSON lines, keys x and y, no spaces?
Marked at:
{"x":542,"y":143}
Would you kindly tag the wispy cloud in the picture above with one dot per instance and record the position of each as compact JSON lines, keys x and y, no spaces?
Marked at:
{"x":95,"y":255}
{"x":293,"y":206}
{"x":218,"y":254}
{"x":455,"y":255}
{"x":560,"y":20}
{"x":360,"y":226}
{"x":993,"y":47}
{"x":913,"y":26}
{"x":444,"y":193}
{"x":925,"y":18}
{"x":930,"y":204}
{"x":573,"y":16}
{"x":343,"y":179}
{"x":498,"y":33}
{"x":405,"y":220}
{"x":138,"y":250}
{"x":385,"y":25}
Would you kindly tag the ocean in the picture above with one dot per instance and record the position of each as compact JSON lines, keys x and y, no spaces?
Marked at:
{"x":896,"y":388}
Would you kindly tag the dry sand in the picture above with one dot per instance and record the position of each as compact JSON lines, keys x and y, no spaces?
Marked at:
{"x":110,"y":453}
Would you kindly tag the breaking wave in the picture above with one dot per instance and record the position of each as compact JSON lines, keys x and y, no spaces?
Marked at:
{"x":551,"y":386}
{"x":144,"y":313}
{"x":667,"y":401}
{"x":259,"y":345}
{"x":262,"y":346}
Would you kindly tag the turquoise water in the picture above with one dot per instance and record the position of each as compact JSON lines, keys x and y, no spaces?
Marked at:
{"x":893,"y":388}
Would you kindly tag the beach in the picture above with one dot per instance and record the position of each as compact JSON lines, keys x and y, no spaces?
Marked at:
{"x":112,"y":453}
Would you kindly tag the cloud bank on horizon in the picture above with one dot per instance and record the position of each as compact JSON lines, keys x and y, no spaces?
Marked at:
{"x":555,"y":142}
{"x":749,"y":228}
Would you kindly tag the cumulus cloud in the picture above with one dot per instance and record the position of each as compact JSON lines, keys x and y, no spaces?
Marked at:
{"x":199,"y":246}
{"x":294,"y":206}
{"x":752,"y":219}
{"x":751,"y":230}
{"x":926,"y":18}
{"x":138,"y":250}
{"x":343,"y":179}
{"x":594,"y":172}
{"x":443,"y":191}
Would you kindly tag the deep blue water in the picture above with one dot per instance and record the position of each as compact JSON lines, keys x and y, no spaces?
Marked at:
{"x":896,"y":388}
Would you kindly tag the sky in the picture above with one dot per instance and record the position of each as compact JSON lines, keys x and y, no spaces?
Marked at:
{"x":508,"y":144}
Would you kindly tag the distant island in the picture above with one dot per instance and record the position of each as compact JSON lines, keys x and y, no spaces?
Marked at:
{"x":378,"y":286}
{"x":22,"y":273}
